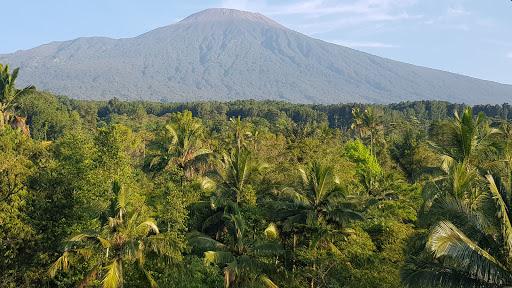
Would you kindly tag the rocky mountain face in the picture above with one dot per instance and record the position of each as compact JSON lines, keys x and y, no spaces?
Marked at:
{"x":225,"y":54}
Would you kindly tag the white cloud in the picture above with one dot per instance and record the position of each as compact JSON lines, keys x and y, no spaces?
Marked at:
{"x":459,"y":11}
{"x":320,"y":8}
{"x":364,"y":9}
{"x":354,"y":44}
{"x":456,"y":18}
{"x":248,"y":5}
{"x":331,"y":25}
{"x":236,"y":4}
{"x":509,"y":55}
{"x":322,"y":16}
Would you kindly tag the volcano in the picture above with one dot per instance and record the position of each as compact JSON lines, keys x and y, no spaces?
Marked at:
{"x":226,"y":54}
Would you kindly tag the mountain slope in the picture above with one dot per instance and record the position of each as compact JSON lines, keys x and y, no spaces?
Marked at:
{"x":224,"y":54}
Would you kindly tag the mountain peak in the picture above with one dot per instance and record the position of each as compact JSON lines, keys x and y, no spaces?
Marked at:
{"x":226,"y":54}
{"x":225,"y":14}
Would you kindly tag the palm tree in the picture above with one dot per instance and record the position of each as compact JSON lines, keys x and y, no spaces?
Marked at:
{"x":368,"y":125}
{"x":503,"y":166}
{"x":235,"y":171}
{"x":245,"y":261}
{"x":234,"y":174}
{"x":466,"y":138}
{"x":468,"y":248}
{"x":319,"y":201}
{"x":462,"y":144}
{"x":184,"y":146}
{"x":241,"y":132}
{"x":319,"y":208}
{"x":124,"y":240}
{"x":237,"y":167}
{"x":469,"y":243}
{"x":9,"y":94}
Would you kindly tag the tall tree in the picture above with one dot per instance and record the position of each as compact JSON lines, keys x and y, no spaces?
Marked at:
{"x":9,"y":94}
{"x":319,"y":210}
{"x":469,"y":243}
{"x":367,"y":124}
{"x":467,"y":248}
{"x":466,"y":138}
{"x":125,"y":240}
{"x":245,"y":260}
{"x":18,"y":163}
{"x":184,"y":144}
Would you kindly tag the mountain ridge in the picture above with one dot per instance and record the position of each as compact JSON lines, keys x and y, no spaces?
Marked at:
{"x":227,"y":54}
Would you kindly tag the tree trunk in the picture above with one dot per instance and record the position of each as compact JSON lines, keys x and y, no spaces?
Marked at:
{"x":2,"y":120}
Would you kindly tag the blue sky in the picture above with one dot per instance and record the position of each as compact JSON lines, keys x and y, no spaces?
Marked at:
{"x":471,"y":37}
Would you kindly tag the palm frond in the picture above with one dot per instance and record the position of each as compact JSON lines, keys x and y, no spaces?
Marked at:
{"x":217,"y":257}
{"x":461,"y":215}
{"x":171,"y":132}
{"x":271,"y":232}
{"x":161,"y":245}
{"x":267,"y":282}
{"x":447,"y":242}
{"x":344,"y":215}
{"x":199,"y":152}
{"x":149,"y":226}
{"x":114,"y":276}
{"x":502,"y":215}
{"x":334,"y":249}
{"x":294,"y":195}
{"x":426,"y":275}
{"x":61,"y":264}
{"x":204,"y":242}
{"x":149,"y":277}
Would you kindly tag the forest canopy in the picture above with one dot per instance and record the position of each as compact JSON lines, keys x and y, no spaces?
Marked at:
{"x":252,"y":193}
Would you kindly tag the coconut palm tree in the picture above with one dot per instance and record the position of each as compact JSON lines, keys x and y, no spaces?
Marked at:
{"x":245,"y":261}
{"x":319,"y":210}
{"x":319,"y":201}
{"x":124,"y":240}
{"x":469,"y":243}
{"x":468,"y":248}
{"x":368,"y":125}
{"x":184,"y":144}
{"x":235,"y":170}
{"x":466,"y":138}
{"x":9,"y":94}
{"x":238,"y":166}
{"x":462,"y":144}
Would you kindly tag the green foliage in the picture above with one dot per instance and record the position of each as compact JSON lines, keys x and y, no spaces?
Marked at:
{"x":253,"y":194}
{"x":48,"y":116}
{"x":9,"y":94}
{"x":367,"y":166}
{"x":469,"y":240}
{"x":19,"y":161}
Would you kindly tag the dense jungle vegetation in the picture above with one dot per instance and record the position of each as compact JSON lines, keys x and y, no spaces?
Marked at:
{"x":252,"y":194}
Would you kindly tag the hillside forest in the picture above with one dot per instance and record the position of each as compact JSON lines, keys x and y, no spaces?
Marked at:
{"x":252,"y":193}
